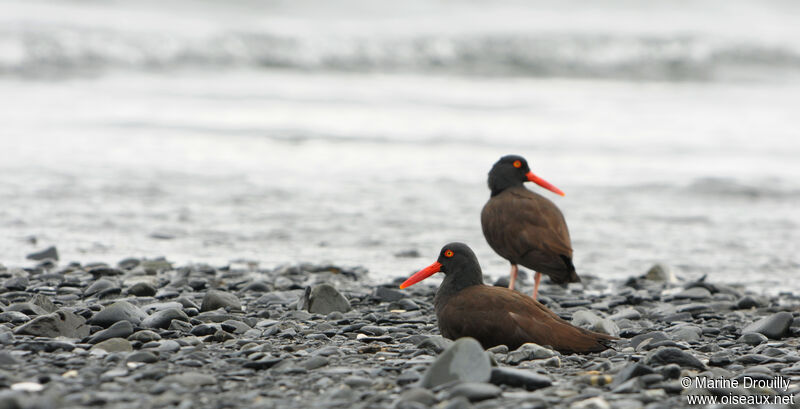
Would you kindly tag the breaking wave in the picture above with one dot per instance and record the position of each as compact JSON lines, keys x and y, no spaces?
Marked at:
{"x":80,"y":51}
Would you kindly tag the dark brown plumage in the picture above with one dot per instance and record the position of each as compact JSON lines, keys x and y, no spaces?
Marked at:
{"x":524,"y":227}
{"x":465,"y":307}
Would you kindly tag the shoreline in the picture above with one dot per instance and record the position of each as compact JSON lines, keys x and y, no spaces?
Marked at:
{"x":146,"y":333}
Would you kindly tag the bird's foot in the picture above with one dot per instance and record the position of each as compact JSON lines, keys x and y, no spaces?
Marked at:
{"x":536,"y":279}
{"x":513,"y":276}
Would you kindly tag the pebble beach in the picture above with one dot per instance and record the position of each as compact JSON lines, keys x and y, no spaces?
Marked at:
{"x":145,"y":333}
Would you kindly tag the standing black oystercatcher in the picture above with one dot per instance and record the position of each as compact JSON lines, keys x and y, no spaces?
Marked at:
{"x":524,"y":227}
{"x":465,"y":307}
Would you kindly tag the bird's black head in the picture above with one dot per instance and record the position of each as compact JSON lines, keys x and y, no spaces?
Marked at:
{"x":455,"y":257}
{"x":513,"y":170}
{"x":509,"y":171}
{"x":457,"y":261}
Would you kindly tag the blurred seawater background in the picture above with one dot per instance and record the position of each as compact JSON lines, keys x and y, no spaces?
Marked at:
{"x":288,"y":131}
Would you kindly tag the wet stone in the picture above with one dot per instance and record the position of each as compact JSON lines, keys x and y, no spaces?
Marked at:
{"x":752,"y":338}
{"x":26,"y":308}
{"x":574,"y":303}
{"x":357,"y":381}
{"x":754,"y":359}
{"x":144,"y":336}
{"x":325,"y":299}
{"x":694,"y":308}
{"x":405,"y":304}
{"x":694,"y":293}
{"x":119,"y":311}
{"x":60,"y":323}
{"x":660,"y":272}
{"x":435,"y":343}
{"x":527,"y":352}
{"x":198,"y":284}
{"x":16,"y":283}
{"x":465,"y":361}
{"x":215,"y":299}
{"x":179,"y":326}
{"x":100,"y":286}
{"x":187,"y":303}
{"x":747,"y":302}
{"x":626,"y":314}
{"x":190,"y":379}
{"x":775,"y":326}
{"x":585,"y":318}
{"x":475,"y":391}
{"x":677,"y":317}
{"x":44,"y":302}
{"x":720,"y":359}
{"x":649,"y":337}
{"x":631,"y":371}
{"x":257,"y":287}
{"x":520,"y":378}
{"x":314,"y":362}
{"x":6,"y":337}
{"x":121,"y":329}
{"x":7,"y":360}
{"x":14,"y":317}
{"x":205,"y":329}
{"x":500,"y":349}
{"x":234,"y":326}
{"x":372,"y":330}
{"x":629,"y":386}
{"x":168,"y":346}
{"x":129,"y":263}
{"x":672,"y":355}
{"x":146,"y":357}
{"x":162,"y":319}
{"x":105,"y":271}
{"x":387,"y":294}
{"x":114,"y":345}
{"x":687,"y":333}
{"x":142,"y":290}
{"x":419,"y":395}
{"x":263,"y":363}
{"x":160,"y":306}
{"x":49,"y":253}
{"x":408,"y":376}
{"x":606,"y":326}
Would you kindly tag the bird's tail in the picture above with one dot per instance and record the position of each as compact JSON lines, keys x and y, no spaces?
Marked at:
{"x":573,"y":275}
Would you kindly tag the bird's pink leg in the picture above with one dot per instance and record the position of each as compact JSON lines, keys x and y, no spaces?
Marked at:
{"x":513,"y":278}
{"x":536,"y":278}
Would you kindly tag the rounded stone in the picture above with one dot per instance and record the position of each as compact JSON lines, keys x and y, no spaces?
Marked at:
{"x":119,"y":311}
{"x":216,"y":299}
{"x":464,"y":361}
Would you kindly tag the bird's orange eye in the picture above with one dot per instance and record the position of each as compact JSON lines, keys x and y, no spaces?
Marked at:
{"x":448,"y":253}
{"x":517,"y":164}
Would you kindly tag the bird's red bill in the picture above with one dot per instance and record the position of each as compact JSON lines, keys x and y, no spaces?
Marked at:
{"x":422,"y":274}
{"x":545,"y":184}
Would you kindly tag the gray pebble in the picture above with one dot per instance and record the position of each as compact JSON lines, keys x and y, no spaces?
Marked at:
{"x":465,"y":361}
{"x":475,"y":391}
{"x":752,"y":338}
{"x":121,"y":329}
{"x":118,"y":311}
{"x":775,"y":326}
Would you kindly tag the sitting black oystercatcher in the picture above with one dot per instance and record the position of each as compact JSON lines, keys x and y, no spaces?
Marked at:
{"x":465,"y":307}
{"x":524,"y":227}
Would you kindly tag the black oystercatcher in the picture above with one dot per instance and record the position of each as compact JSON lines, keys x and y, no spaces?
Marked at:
{"x":465,"y":307}
{"x":524,"y":227}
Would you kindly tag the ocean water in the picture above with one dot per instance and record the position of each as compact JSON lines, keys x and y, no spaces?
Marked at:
{"x":283,"y":132}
